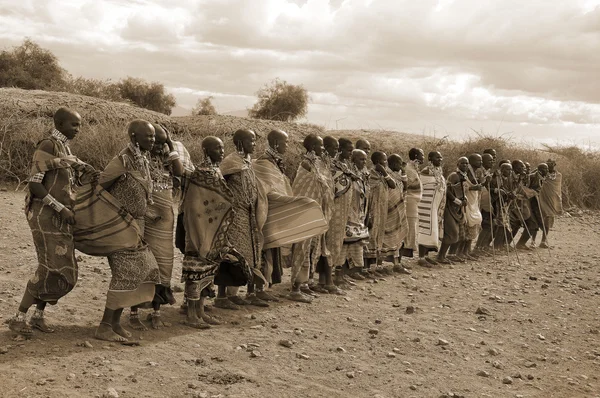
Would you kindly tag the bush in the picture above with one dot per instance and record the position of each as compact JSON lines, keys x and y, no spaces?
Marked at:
{"x":147,"y":95}
{"x":31,"y":67}
{"x":280,"y":101}
{"x":104,"y":89}
{"x":204,"y":107}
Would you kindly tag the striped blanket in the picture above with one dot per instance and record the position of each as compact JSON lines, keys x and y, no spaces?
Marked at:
{"x":431,"y":210}
{"x":102,"y":225}
{"x":290,"y":219}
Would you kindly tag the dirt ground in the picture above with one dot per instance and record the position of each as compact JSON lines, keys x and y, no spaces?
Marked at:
{"x":538,"y":336}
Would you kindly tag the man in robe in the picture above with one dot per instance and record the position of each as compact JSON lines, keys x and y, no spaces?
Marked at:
{"x":52,"y":183}
{"x":431,"y":209}
{"x":534,"y":223}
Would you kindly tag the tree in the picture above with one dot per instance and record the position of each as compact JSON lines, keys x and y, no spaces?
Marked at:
{"x":147,"y":95}
{"x":204,"y":107}
{"x":281,"y":101}
{"x":31,"y":67}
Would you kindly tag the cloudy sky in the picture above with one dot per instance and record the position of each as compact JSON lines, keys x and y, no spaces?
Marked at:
{"x":526,"y":68}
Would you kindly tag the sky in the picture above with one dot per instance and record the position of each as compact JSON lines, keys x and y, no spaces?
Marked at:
{"x":526,"y":69}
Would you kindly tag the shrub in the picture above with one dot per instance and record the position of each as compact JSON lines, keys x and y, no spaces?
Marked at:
{"x":204,"y":107}
{"x":280,"y":101}
{"x":147,"y":95}
{"x":104,"y":89}
{"x":31,"y":67}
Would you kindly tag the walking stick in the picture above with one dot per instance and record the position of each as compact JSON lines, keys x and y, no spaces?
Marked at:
{"x":526,"y":228}
{"x":491,"y":221}
{"x":504,"y":214}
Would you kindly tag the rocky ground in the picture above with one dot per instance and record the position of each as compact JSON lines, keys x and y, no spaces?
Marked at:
{"x":503,"y":327}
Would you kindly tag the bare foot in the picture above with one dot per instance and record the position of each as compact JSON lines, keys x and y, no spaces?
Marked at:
{"x":20,"y":327}
{"x":106,"y":333}
{"x":135,"y":323}
{"x":155,"y":321}
{"x":118,"y":329}
{"x":40,"y":324}
{"x":299,"y":297}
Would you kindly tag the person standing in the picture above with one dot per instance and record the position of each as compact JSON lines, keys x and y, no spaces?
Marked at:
{"x":54,"y":176}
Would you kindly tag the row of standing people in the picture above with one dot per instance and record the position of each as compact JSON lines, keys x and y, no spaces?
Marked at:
{"x":241,"y":221}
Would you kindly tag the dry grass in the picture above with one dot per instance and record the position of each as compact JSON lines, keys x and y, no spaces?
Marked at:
{"x":25,"y":116}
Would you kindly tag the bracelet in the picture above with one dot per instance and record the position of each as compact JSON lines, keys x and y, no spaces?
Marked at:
{"x":53,"y":203}
{"x":457,"y":201}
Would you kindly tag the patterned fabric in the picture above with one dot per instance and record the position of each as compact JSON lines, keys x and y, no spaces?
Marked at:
{"x":396,"y":225}
{"x":249,"y":210}
{"x":341,"y":207}
{"x":158,"y":233}
{"x":454,"y":218}
{"x":317,"y":185}
{"x":134,"y":272}
{"x":356,"y":226}
{"x":208,"y":217}
{"x":354,"y":254}
{"x":184,"y":156}
{"x":378,"y":211}
{"x":56,"y":274}
{"x":431,"y":208}
{"x":551,"y":196}
{"x":57,"y":271}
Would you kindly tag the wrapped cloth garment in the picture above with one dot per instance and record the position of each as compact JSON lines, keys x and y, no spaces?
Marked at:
{"x":431,"y":208}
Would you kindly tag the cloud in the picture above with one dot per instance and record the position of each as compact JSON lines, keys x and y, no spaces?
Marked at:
{"x":398,"y":63}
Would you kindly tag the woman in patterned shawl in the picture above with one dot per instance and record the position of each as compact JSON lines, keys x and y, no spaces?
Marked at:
{"x":208,"y":214}
{"x":164,"y":165}
{"x":134,"y":272}
{"x":49,"y":208}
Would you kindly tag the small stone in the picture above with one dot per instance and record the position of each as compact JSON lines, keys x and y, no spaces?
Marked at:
{"x":530,"y":377}
{"x":3,"y":350}
{"x":413,"y":387}
{"x":483,"y":373}
{"x":416,"y":340}
{"x":111,"y":393}
{"x":540,"y":336}
{"x":409,"y":371}
{"x":493,"y":352}
{"x":340,"y":349}
{"x":410,"y":310}
{"x":483,"y":311}
{"x":517,"y":376}
{"x":274,"y":326}
{"x":378,"y":321}
{"x":442,"y":342}
{"x":302,"y":356}
{"x":396,"y":350}
{"x":252,"y":316}
{"x":87,"y":344}
{"x":374,"y":331}
{"x":256,"y":327}
{"x":255,"y":354}
{"x":70,"y":376}
{"x":594,"y":331}
{"x":286,"y":343}
{"x":530,"y":365}
{"x":507,"y":380}
{"x":391,"y":355}
{"x":351,"y":375}
{"x":497,"y":365}
{"x":153,"y":364}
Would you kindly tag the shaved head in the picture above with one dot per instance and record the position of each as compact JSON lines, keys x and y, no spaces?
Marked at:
{"x":63,"y":114}
{"x":160,"y":134}
{"x":141,"y":132}
{"x":278,"y":140}
{"x":377,"y":157}
{"x":213,"y":148}
{"x":363,"y":145}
